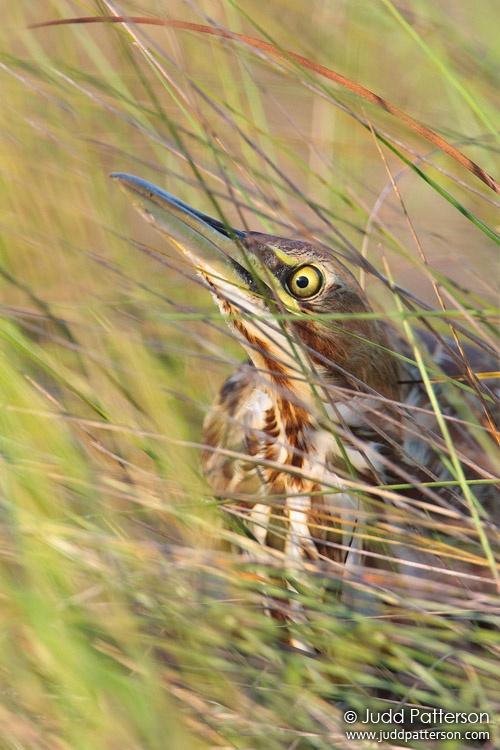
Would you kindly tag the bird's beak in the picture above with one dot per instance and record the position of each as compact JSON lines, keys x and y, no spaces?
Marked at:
{"x":212,"y":247}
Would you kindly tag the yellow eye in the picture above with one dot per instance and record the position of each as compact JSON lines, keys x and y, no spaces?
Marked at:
{"x":305,"y":282}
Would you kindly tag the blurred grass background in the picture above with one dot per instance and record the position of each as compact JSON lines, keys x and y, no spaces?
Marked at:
{"x":124,"y":622}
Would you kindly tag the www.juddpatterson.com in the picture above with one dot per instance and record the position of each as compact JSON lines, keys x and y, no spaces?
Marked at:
{"x":382,"y":735}
{"x":414,"y":715}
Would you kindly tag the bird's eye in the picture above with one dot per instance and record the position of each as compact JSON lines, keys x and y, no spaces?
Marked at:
{"x":305,"y":282}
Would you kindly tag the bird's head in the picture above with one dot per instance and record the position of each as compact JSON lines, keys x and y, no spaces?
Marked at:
{"x":293,"y":304}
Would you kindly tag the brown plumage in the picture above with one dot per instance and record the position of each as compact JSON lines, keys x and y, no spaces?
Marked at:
{"x":328,"y":441}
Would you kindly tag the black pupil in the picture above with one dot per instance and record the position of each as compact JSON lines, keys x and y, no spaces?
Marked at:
{"x":302,"y":282}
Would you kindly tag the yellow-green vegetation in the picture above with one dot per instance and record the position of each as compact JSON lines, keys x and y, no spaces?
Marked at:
{"x":128,"y":620}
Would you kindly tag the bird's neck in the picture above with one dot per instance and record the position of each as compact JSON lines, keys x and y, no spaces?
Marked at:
{"x":358,"y":355}
{"x":294,"y":364}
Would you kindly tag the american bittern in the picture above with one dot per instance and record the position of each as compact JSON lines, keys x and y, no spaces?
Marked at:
{"x":328,"y":440}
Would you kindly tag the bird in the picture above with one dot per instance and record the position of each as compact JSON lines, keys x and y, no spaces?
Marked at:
{"x":340,"y":441}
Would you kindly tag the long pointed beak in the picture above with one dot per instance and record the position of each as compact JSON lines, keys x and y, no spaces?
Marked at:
{"x":210,"y":245}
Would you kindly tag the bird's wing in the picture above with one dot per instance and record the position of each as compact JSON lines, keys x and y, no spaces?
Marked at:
{"x":230,"y":435}
{"x":457,"y":361}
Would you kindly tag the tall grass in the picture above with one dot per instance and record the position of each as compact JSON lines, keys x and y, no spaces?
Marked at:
{"x":127,"y":620}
